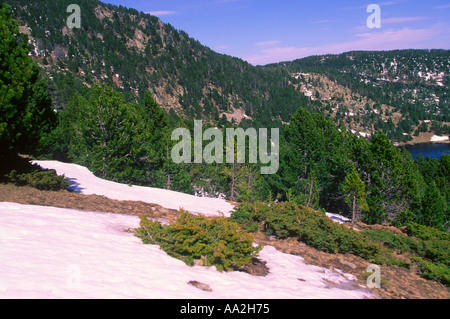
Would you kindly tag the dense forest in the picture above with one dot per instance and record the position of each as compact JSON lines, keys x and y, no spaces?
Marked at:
{"x":134,"y":52}
{"x":413,"y":82}
{"x":321,"y":166}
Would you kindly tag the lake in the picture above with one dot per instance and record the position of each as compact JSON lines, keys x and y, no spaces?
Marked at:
{"x":433,"y":150}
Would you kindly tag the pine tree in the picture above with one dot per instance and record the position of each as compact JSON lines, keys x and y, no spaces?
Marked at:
{"x":313,"y":158}
{"x":354,"y":190}
{"x":107,"y":135}
{"x":385,"y":171}
{"x":434,"y":207}
{"x":244,"y":179}
{"x":25,"y":105}
{"x":168,"y":174}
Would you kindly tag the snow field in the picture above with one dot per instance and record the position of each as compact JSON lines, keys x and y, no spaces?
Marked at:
{"x":85,"y":182}
{"x":48,"y":252}
{"x":436,"y":138}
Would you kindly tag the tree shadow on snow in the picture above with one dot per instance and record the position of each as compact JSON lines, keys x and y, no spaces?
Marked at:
{"x":74,"y":185}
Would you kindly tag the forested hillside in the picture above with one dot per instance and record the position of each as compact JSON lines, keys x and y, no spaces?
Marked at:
{"x":124,"y":80}
{"x":134,"y":52}
{"x":403,"y":93}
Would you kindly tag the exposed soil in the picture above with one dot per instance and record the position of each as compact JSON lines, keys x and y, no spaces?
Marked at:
{"x":422,"y":138}
{"x":396,"y":282}
{"x":64,"y":199}
{"x":256,"y":268}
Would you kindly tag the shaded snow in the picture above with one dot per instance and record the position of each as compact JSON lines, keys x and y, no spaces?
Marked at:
{"x":338,"y":218}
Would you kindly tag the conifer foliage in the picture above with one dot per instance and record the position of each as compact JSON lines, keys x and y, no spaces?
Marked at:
{"x":25,"y":105}
{"x":354,"y":189}
{"x":214,"y":241}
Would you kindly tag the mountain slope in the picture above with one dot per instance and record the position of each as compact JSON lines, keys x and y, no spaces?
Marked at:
{"x":52,"y":252}
{"x":403,"y":93}
{"x":71,"y":254}
{"x":134,"y":52}
{"x":396,"y":91}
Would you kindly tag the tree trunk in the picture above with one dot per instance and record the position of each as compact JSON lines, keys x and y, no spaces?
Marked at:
{"x":354,"y":210}
{"x":310,"y":191}
{"x":168,"y":171}
{"x":232,"y":182}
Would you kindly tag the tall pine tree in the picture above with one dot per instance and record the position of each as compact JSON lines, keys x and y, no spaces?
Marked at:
{"x":354,"y":190}
{"x":25,"y":105}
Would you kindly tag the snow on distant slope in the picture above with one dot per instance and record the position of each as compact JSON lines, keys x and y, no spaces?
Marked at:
{"x":49,"y":252}
{"x":436,"y":138}
{"x":85,"y":182}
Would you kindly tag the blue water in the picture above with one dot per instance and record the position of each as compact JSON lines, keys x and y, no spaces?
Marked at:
{"x":433,"y":150}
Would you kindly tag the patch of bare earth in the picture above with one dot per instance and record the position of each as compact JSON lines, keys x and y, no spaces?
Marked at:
{"x":424,"y":137}
{"x":94,"y":203}
{"x":396,"y":282}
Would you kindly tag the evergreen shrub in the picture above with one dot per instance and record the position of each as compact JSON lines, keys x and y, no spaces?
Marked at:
{"x":216,"y":241}
{"x":428,"y":246}
{"x":312,"y":227}
{"x":434,"y":271}
{"x":43,"y":180}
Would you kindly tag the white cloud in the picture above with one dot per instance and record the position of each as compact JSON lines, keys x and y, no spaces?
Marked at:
{"x":402,"y":19}
{"x":405,"y":38}
{"x":444,"y":6}
{"x":392,"y":3}
{"x":381,"y":4}
{"x":267,"y":43}
{"x":161,"y":13}
{"x":321,"y":21}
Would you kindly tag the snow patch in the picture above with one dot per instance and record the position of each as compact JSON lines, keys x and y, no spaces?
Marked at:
{"x":338,"y":218}
{"x":50,"y":252}
{"x":84,"y":181}
{"x":436,"y":138}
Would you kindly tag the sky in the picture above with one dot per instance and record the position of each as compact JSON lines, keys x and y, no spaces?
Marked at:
{"x":270,"y":31}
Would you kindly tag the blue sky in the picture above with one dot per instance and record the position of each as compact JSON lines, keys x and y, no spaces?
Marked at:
{"x":267,"y":31}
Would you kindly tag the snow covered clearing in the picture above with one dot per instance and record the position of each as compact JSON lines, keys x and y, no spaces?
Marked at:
{"x":85,"y":182}
{"x":49,"y":252}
